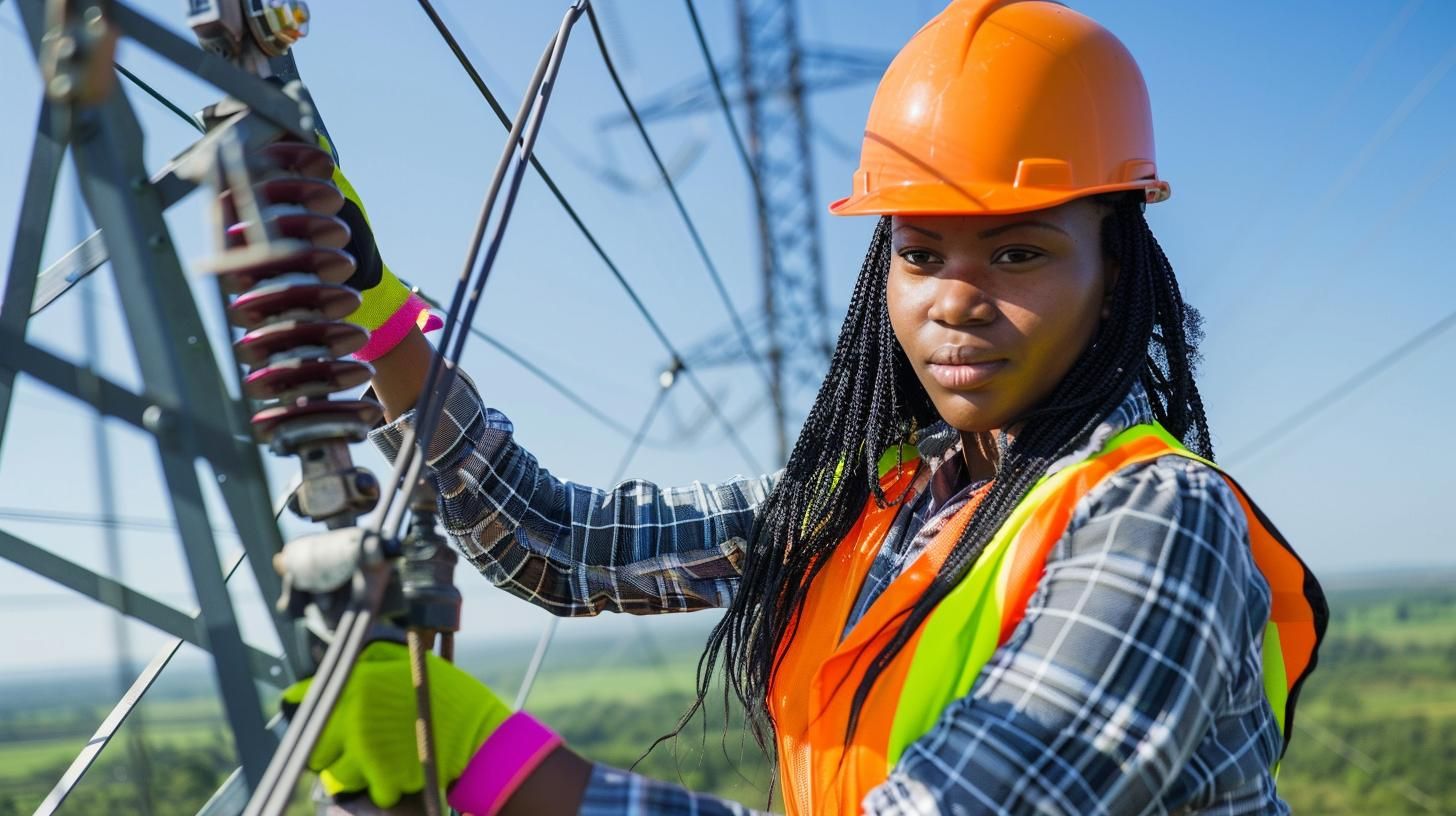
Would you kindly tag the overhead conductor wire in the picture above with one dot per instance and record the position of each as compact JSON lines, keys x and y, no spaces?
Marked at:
{"x":505,"y":120}
{"x":1258,"y":446}
{"x":760,"y":200}
{"x":742,"y":330}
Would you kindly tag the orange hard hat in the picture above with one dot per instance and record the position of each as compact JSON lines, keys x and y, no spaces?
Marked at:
{"x":1003,"y":106}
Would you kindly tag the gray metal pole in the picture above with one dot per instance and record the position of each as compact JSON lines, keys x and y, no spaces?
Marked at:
{"x":136,"y":747}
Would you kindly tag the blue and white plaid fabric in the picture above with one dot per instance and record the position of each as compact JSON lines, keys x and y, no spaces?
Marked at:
{"x":1132,"y":686}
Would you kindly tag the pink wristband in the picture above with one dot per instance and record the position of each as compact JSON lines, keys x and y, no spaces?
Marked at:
{"x":393,"y":330}
{"x":508,"y":756}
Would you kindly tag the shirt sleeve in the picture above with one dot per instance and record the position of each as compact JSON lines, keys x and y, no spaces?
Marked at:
{"x":574,"y":549}
{"x":1149,"y":615}
{"x":614,"y":792}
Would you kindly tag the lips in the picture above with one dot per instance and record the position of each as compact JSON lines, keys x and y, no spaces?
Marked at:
{"x":961,"y":367}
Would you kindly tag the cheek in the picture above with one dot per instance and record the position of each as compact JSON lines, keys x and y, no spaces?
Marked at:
{"x":906,"y":310}
{"x":1057,"y":322}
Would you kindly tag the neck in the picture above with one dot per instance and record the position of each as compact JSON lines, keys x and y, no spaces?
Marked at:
{"x":978,"y":448}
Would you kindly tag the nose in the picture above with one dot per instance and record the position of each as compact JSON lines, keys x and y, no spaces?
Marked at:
{"x":959,"y":300}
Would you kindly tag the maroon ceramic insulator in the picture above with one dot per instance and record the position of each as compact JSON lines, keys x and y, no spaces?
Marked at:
{"x":297,"y":222}
{"x":316,"y":377}
{"x":330,"y":265}
{"x":300,"y":159}
{"x":282,"y":296}
{"x":363,"y":412}
{"x":337,"y":338}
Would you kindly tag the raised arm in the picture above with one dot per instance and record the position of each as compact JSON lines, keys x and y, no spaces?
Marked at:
{"x":569,"y":548}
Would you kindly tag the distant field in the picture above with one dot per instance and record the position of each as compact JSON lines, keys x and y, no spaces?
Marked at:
{"x":1376,"y":730}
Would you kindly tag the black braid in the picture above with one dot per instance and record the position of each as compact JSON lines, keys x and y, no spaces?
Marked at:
{"x":871,"y":400}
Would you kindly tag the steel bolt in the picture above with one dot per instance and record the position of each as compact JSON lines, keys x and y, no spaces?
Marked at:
{"x":155,"y":419}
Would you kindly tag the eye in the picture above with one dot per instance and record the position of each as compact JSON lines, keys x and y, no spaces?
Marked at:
{"x":919,"y":257}
{"x":1016,"y":255}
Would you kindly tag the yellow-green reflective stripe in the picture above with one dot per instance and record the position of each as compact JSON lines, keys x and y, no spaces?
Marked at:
{"x":965,"y":627}
{"x":896,"y":455}
{"x":963,"y":631}
{"x":1276,"y":681}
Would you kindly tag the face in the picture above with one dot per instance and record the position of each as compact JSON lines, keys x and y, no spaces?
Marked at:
{"x":993,"y":310}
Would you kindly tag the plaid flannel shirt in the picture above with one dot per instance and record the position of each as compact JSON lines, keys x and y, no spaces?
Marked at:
{"x":1132,"y":686}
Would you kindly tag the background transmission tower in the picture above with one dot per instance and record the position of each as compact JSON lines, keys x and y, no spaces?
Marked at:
{"x":771,"y":79}
{"x":788,"y":224}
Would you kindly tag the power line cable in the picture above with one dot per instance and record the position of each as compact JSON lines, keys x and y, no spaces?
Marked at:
{"x":717,"y":81}
{"x":103,"y":521}
{"x":538,"y":657}
{"x":1262,"y":443}
{"x":682,"y":209}
{"x":561,"y":388}
{"x":596,"y":245}
{"x":1397,"y":117}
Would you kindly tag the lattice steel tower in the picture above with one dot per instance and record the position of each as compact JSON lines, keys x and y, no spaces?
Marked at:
{"x":792,"y":259}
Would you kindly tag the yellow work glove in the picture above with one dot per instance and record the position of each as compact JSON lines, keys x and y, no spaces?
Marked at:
{"x":369,"y":741}
{"x":389,"y":309}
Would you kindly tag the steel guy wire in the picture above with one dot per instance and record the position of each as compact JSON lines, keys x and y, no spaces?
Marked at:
{"x":596,"y":245}
{"x":561,"y":388}
{"x":1333,"y":743}
{"x":388,"y":517}
{"x":114,"y":522}
{"x":759,"y":362}
{"x":1309,"y":210}
{"x":1316,"y":299}
{"x":353,"y":626}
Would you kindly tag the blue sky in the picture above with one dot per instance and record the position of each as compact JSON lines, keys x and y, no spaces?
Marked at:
{"x":1310,"y":147}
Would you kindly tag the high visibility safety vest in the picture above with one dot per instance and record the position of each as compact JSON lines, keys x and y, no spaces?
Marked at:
{"x":818,"y":672}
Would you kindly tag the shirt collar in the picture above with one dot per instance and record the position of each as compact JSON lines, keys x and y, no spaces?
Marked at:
{"x":939,"y":446}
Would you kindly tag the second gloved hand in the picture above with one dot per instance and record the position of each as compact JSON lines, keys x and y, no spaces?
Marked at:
{"x":369,"y":742}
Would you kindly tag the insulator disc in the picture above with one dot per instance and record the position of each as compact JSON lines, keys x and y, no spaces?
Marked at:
{"x":331,"y":265}
{"x":273,"y":381}
{"x":337,"y":337}
{"x":295,"y":221}
{"x":301,"y":159}
{"x":365,"y":412}
{"x":272,"y":298}
{"x":317,"y":195}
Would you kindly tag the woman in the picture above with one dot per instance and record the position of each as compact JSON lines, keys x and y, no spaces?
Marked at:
{"x":999,"y":573}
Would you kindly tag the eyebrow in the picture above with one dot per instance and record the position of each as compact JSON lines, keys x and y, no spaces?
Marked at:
{"x":990,"y":233}
{"x":1016,"y":224}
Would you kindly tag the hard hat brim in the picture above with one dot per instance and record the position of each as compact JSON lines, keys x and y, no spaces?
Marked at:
{"x":938,"y":199}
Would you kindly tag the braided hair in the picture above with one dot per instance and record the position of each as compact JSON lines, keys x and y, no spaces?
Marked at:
{"x":871,"y":401}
